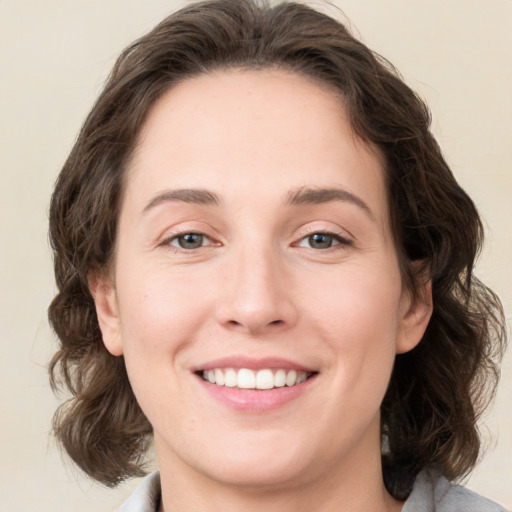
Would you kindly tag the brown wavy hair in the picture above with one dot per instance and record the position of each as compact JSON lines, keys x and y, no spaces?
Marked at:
{"x":437,"y":391}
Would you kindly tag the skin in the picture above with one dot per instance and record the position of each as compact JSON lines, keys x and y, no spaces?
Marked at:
{"x":259,"y":287}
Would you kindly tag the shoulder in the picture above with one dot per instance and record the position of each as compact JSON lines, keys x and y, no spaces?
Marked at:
{"x":146,"y":497}
{"x":434,"y":493}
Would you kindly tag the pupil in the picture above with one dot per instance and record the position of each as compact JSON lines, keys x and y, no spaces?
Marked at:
{"x":190,"y":241}
{"x":320,"y":241}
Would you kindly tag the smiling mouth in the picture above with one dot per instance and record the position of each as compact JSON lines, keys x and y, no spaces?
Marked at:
{"x":245,"y":378}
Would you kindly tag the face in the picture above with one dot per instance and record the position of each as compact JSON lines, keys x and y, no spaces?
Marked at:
{"x":256,"y":295}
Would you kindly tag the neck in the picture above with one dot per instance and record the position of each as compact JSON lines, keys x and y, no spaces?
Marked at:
{"x":352,"y":488}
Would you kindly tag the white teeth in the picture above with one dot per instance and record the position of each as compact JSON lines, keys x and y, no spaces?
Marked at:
{"x":280,"y":379}
{"x":246,"y":379}
{"x":219,"y":377}
{"x":249,"y":379}
{"x":265,"y":379}
{"x":230,"y":378}
{"x":291,"y":378}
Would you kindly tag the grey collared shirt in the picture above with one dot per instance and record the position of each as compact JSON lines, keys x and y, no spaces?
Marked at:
{"x":431,"y":493}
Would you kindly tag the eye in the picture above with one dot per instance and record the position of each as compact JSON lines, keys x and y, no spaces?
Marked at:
{"x":322,"y":241}
{"x":189,"y":241}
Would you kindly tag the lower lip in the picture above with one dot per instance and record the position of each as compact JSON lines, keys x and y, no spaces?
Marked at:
{"x":256,"y":400}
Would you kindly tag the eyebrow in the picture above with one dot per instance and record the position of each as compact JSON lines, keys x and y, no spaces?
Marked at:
{"x":186,"y":195}
{"x":297,"y":197}
{"x":312,"y":196}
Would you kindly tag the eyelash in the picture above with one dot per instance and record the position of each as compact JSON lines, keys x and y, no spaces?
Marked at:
{"x":336,"y":237}
{"x":177,"y":236}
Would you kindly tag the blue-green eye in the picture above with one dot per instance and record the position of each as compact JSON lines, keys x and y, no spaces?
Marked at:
{"x":189,"y":241}
{"x":321,"y":241}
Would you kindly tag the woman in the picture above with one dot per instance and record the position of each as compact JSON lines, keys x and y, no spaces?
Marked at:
{"x":265,"y":264}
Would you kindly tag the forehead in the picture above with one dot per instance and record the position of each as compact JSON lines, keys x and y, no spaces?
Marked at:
{"x":257,"y":131}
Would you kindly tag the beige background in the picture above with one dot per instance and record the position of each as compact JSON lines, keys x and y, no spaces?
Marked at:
{"x":54,"y":56}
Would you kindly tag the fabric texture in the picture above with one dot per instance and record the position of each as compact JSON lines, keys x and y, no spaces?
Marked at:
{"x":431,"y":493}
{"x":146,"y":497}
{"x":434,"y":493}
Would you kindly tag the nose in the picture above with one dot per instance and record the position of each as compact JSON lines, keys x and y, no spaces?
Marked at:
{"x":258,"y":294}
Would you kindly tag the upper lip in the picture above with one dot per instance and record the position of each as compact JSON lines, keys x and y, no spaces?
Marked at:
{"x":272,"y":363}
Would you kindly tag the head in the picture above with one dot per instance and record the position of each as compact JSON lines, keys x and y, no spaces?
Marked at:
{"x":436,"y":385}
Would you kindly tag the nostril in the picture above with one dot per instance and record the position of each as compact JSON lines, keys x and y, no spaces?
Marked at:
{"x":255,"y":326}
{"x":273,"y":322}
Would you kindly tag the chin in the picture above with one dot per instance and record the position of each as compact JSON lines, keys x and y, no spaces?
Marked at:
{"x":262,"y":474}
{"x":261,"y":461}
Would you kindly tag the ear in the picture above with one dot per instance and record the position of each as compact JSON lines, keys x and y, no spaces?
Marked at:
{"x":416,"y":310}
{"x":104,"y":294}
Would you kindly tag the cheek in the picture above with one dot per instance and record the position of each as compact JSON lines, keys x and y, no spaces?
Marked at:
{"x":357,"y":298}
{"x":160,"y":315}
{"x":359,"y":318}
{"x":159,"y":312}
